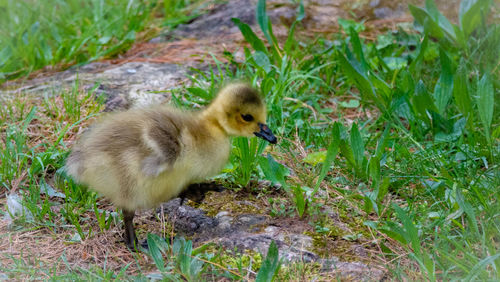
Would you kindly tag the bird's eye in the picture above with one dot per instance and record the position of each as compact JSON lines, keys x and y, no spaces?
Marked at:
{"x":247,"y":117}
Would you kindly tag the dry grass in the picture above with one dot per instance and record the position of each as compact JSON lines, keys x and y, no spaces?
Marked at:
{"x":40,"y":246}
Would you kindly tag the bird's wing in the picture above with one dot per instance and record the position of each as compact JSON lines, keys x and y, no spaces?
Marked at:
{"x":162,"y":137}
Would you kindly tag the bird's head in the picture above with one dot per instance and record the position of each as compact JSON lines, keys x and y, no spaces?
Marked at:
{"x":241,"y":111}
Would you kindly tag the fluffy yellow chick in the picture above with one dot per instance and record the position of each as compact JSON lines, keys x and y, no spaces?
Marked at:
{"x":141,"y":158}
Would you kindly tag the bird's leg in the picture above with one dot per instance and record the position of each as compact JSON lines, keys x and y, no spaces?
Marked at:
{"x":196,"y":192}
{"x":128,"y":220}
{"x":130,"y":238}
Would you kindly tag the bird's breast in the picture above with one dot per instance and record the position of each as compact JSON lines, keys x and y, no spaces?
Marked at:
{"x":208,"y":160}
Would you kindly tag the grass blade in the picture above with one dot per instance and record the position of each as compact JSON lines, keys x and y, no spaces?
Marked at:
{"x":291,"y":39}
{"x":263,"y":19}
{"x":485,"y":104}
{"x":270,"y":265}
{"x":250,"y":36}
{"x":481,"y":266}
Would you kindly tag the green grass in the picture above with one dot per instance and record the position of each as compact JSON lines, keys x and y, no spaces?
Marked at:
{"x":403,"y":132}
{"x":58,"y":33}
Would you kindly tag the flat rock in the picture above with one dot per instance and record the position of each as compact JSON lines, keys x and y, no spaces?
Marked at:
{"x":132,"y":84}
{"x":254,"y":232}
{"x":352,"y":271}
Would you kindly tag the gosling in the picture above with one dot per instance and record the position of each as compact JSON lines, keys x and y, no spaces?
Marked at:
{"x":143,"y":157}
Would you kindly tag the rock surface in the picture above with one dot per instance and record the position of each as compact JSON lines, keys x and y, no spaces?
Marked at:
{"x":254,"y":232}
{"x":131,"y":84}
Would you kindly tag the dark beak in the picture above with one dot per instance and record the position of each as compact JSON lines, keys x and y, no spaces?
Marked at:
{"x":266,"y":134}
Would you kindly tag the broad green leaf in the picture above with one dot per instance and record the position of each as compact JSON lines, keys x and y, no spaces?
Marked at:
{"x":346,"y":151}
{"x":422,"y":47}
{"x":406,"y":82}
{"x":369,"y":84}
{"x":444,"y":87}
{"x":353,"y":103}
{"x":250,"y":36}
{"x":262,"y":18}
{"x":394,"y":231}
{"x":369,"y":204}
{"x":374,"y":171}
{"x":357,"y":145}
{"x":156,"y":246}
{"x":5,"y":55}
{"x":291,"y":39}
{"x":29,"y":118}
{"x":382,"y":142}
{"x":381,"y":88}
{"x":270,"y":266}
{"x":262,"y":60}
{"x":348,"y":24}
{"x":300,"y":200}
{"x":485,"y":103}
{"x":423,"y":102}
{"x":315,"y":157}
{"x":300,"y":11}
{"x":441,"y":20}
{"x":410,"y":231}
{"x":197,"y":91}
{"x":461,"y":39}
{"x":47,"y":189}
{"x":331,"y":153}
{"x":432,"y":9}
{"x":273,"y":171}
{"x":496,"y":132}
{"x":467,"y":208}
{"x":461,"y":92}
{"x":383,"y":188}
{"x":384,"y":40}
{"x":364,"y":85}
{"x":469,"y":14}
{"x":423,"y":18}
{"x":358,"y":49}
{"x":184,"y":259}
{"x":395,"y":63}
{"x":104,"y":40}
{"x":400,"y":106}
{"x":457,"y":131}
{"x":275,"y":49}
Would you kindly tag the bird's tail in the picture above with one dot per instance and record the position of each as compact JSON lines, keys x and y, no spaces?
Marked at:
{"x":74,"y":165}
